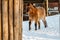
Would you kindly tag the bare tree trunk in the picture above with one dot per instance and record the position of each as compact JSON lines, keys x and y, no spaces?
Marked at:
{"x":11,"y":19}
{"x":16,"y":19}
{"x":5,"y":19}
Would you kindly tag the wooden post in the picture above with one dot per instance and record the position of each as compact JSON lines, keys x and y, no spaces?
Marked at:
{"x":11,"y":19}
{"x":47,"y":7}
{"x":59,"y":6}
{"x":5,"y":19}
{"x":0,"y":19}
{"x":16,"y":19}
{"x":21,"y":19}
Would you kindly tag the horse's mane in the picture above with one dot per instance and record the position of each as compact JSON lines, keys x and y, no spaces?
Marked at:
{"x":34,"y":6}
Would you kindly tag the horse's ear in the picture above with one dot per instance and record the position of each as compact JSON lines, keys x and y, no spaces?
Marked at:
{"x":31,"y":3}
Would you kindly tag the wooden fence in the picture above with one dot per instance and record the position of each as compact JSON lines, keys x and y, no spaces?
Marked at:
{"x":11,"y":19}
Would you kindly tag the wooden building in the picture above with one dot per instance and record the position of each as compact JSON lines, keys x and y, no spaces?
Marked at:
{"x":11,"y":19}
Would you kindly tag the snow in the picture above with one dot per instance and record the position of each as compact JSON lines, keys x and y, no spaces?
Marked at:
{"x":50,"y":33}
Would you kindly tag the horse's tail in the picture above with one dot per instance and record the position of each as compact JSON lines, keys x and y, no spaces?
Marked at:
{"x":44,"y":12}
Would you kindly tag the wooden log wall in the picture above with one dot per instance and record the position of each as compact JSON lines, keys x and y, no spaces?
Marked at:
{"x":5,"y":19}
{"x":11,"y":19}
{"x":16,"y":19}
{"x":21,"y":18}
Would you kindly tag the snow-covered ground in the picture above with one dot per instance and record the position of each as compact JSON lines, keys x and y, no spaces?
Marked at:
{"x":50,"y":33}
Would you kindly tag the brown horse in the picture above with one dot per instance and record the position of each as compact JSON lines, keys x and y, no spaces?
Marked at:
{"x":36,"y":14}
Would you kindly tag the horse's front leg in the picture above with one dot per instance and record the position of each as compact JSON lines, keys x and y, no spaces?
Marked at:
{"x":29,"y":24}
{"x":35,"y":25}
{"x":38,"y":24}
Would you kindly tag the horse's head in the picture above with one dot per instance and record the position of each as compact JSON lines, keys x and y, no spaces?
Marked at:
{"x":29,"y":6}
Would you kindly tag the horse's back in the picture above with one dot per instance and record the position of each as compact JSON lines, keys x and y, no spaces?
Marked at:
{"x":41,"y":12}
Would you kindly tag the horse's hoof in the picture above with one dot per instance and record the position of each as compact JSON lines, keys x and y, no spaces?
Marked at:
{"x":39,"y":28}
{"x":45,"y":26}
{"x":35,"y":29}
{"x":29,"y":29}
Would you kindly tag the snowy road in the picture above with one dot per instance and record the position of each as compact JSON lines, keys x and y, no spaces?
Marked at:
{"x":50,"y":33}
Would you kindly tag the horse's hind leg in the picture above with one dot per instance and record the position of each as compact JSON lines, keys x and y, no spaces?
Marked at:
{"x":45,"y":23}
{"x":30,"y":25}
{"x":38,"y":25}
{"x":35,"y":26}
